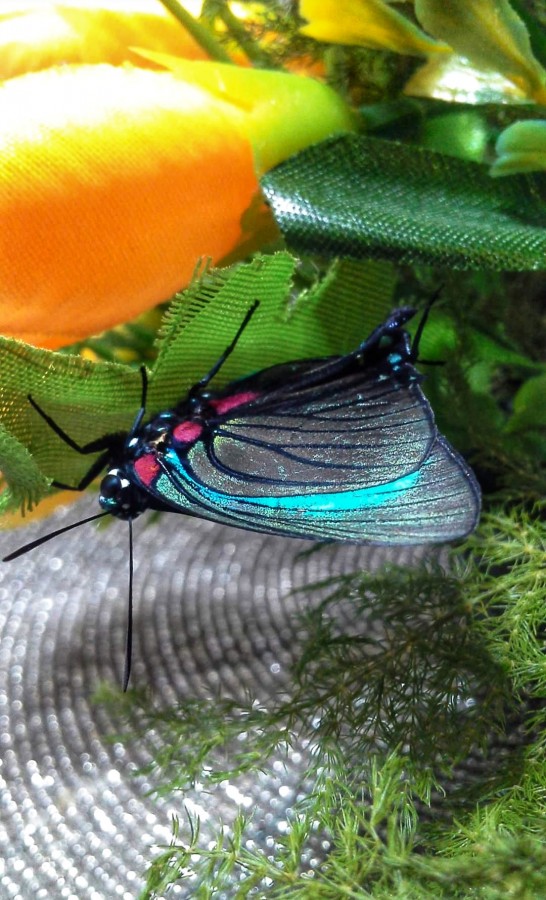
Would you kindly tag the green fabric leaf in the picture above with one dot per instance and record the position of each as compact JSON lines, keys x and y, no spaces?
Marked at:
{"x":359,"y":197}
{"x":86,"y":399}
{"x":203,"y":321}
{"x":89,"y":400}
{"x":350,"y":301}
{"x":331,"y":316}
{"x":20,"y":471}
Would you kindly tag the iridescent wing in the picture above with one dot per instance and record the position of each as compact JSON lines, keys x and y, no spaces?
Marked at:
{"x":338,"y":449}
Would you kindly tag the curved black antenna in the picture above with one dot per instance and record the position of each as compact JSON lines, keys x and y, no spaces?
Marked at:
{"x":105,"y":444}
{"x":129,"y":639}
{"x":421,"y":327}
{"x":47,"y":537}
{"x":199,"y":385}
{"x":143,"y":398}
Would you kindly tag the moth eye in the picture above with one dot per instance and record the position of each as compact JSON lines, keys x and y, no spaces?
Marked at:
{"x":111,"y":486}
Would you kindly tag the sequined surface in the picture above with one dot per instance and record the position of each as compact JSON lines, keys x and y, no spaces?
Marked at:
{"x":214,"y":611}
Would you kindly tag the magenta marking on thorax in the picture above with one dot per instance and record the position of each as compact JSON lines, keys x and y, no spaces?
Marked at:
{"x":225,"y":404}
{"x":187,"y":432}
{"x":146,"y":468}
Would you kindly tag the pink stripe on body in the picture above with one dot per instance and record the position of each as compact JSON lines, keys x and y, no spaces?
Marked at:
{"x":146,"y":468}
{"x":225,"y":404}
{"x":187,"y":432}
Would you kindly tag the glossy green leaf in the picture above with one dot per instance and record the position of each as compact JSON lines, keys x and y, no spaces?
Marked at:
{"x":359,"y":197}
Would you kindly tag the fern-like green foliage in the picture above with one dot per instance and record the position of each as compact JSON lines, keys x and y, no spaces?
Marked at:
{"x":415,"y":704}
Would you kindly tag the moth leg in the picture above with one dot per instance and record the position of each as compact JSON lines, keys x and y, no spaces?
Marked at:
{"x":393,"y":325}
{"x":103,"y":443}
{"x":89,"y":476}
{"x":143,"y":398}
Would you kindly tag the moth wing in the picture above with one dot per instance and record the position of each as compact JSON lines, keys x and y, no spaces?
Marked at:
{"x":439,"y":502}
{"x":361,"y":429}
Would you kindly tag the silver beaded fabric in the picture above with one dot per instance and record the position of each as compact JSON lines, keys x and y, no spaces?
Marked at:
{"x":215,"y":612}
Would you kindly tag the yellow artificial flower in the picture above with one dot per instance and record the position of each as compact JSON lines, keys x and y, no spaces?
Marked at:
{"x":490,"y":36}
{"x":366,"y":23}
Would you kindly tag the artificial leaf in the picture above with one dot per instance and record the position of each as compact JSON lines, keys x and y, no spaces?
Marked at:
{"x":521,"y":148}
{"x":86,"y":399}
{"x":89,"y":400}
{"x":529,"y":406}
{"x":359,"y":197}
{"x":24,"y":483}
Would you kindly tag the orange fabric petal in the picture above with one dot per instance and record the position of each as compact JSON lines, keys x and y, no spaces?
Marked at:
{"x":113,"y":182}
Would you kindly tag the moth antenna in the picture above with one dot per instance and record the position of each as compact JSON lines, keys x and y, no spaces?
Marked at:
{"x":143,"y":398}
{"x":144,"y":392}
{"x":421,"y":327}
{"x":129,"y":638}
{"x":47,"y":537}
{"x":227,"y":352}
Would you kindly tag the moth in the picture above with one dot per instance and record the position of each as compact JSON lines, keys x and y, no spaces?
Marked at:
{"x":339,"y":448}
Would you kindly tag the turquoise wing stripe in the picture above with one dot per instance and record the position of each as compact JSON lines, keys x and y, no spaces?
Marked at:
{"x":437,"y":502}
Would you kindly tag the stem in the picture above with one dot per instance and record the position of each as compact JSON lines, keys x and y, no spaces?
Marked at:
{"x":199,"y":32}
{"x":238,"y":32}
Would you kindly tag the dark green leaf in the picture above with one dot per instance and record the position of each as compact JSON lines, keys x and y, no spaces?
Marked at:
{"x":359,"y":197}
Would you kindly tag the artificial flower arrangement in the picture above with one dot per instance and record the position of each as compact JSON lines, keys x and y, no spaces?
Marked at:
{"x":144,"y":142}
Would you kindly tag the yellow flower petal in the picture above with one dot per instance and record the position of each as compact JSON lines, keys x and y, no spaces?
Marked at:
{"x":366,"y":23}
{"x":489,"y":34}
{"x":454,"y":79}
{"x":282,"y":113}
{"x":37,"y":35}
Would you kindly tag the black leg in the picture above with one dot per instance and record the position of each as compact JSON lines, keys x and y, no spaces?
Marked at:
{"x":421,"y":327}
{"x":89,"y":476}
{"x":143,"y":396}
{"x":96,"y":446}
{"x":107,"y":445}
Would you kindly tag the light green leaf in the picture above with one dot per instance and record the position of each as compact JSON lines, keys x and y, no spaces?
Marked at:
{"x":529,"y":406}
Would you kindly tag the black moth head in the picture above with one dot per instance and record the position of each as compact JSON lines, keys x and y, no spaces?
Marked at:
{"x":120,"y":497}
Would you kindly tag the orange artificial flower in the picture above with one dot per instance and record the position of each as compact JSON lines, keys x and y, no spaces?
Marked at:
{"x":115,"y":180}
{"x":112,"y":184}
